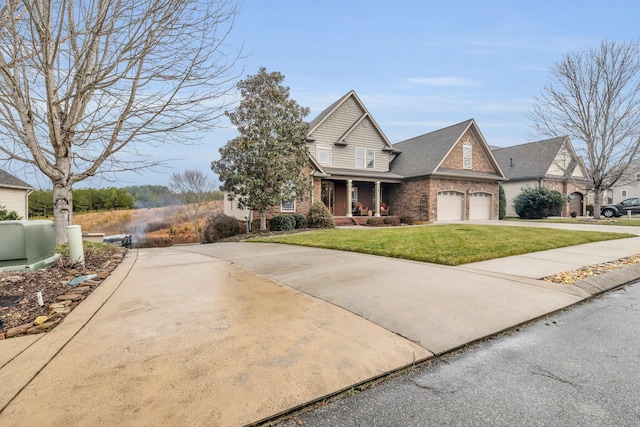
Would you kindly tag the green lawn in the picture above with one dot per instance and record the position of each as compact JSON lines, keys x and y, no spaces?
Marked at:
{"x":451,"y":244}
{"x":620,"y":221}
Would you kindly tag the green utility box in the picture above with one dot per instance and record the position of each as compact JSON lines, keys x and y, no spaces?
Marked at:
{"x":27,"y":245}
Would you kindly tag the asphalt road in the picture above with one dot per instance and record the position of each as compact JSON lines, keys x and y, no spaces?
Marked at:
{"x":580,"y":367}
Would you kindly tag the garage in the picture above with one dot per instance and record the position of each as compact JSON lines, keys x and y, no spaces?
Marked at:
{"x":480,"y":205}
{"x":450,"y":205}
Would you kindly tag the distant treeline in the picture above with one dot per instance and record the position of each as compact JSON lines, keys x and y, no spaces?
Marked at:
{"x":96,"y":199}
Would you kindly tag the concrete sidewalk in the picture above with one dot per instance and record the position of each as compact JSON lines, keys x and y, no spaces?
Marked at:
{"x":230,"y":334}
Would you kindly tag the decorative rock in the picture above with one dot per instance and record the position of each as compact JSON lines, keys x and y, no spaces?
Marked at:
{"x":40,"y":320}
{"x":61,"y":310}
{"x":13,"y":279}
{"x":91,"y":282}
{"x":71,"y":297}
{"x":2,"y":336}
{"x":18,"y":330}
{"x":62,"y":304}
{"x":103,"y":274}
{"x":45,"y":327}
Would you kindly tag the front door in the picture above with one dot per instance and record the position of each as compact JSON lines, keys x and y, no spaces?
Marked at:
{"x":328,"y":196}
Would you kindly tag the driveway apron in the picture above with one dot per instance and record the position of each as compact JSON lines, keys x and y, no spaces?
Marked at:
{"x":189,"y":339}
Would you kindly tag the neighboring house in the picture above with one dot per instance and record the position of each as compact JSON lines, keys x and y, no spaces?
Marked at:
{"x":449,"y":174}
{"x":628,"y":186}
{"x":551,"y":163}
{"x":14,"y":194}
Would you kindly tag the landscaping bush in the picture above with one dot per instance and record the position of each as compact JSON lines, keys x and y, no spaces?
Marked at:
{"x":282,"y":223}
{"x":301,"y":221}
{"x":6,"y":215}
{"x":538,"y":203}
{"x":407,"y":219}
{"x":391,"y":220}
{"x":319,"y":216}
{"x":590,"y":210}
{"x":219,"y":227}
{"x":375,"y":221}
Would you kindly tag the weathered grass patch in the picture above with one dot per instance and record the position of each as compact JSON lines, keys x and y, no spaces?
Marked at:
{"x":450,"y":244}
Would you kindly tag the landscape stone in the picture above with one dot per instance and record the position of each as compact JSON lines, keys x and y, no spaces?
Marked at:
{"x":45,"y":327}
{"x":18,"y":330}
{"x":40,"y":320}
{"x":71,"y":297}
{"x":103,"y":274}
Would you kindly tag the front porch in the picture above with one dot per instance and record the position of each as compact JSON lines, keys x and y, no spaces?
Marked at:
{"x":355,"y":199}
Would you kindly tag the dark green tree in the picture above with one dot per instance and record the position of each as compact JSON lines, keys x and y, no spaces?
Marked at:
{"x":265,"y":165}
{"x":6,"y":215}
{"x":502,"y":202}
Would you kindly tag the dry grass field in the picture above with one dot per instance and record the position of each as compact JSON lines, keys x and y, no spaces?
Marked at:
{"x":149,"y":227}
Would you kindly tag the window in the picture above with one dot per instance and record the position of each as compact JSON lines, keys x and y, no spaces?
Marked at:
{"x":289,"y":206}
{"x":623,"y":193}
{"x":466,"y":155}
{"x":364,"y":158}
{"x":323,"y":155}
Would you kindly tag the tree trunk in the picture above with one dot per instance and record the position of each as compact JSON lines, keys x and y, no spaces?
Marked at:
{"x":263,"y":220}
{"x":62,"y":210}
{"x":597,"y":202}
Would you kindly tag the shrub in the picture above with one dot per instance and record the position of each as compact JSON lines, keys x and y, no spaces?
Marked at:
{"x":319,"y":216}
{"x":375,"y":221}
{"x":282,"y":223}
{"x":407,"y":219}
{"x":538,"y":203}
{"x":219,"y":227}
{"x":590,"y":210}
{"x":301,"y":221}
{"x":391,"y":220}
{"x":502,"y":202}
{"x":6,"y":215}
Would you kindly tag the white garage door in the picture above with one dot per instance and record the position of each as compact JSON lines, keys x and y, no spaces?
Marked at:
{"x":449,"y":206}
{"x":480,"y":205}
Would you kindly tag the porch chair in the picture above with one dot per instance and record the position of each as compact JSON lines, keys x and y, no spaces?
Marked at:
{"x":384,"y":209}
{"x":359,"y":209}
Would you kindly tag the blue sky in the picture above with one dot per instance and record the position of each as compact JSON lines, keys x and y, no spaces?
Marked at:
{"x":418,"y":66}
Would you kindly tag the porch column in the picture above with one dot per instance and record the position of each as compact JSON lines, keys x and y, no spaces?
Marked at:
{"x":349,"y":201}
{"x":377,"y":198}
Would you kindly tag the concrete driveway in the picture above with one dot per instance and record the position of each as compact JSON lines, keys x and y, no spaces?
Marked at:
{"x":230,"y":334}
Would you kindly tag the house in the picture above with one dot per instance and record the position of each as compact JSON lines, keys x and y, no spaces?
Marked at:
{"x":450,"y":174}
{"x":550,"y":163}
{"x":14,"y":194}
{"x":627,"y":186}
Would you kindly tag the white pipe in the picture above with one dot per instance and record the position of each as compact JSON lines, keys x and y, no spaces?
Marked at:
{"x":76,"y":252}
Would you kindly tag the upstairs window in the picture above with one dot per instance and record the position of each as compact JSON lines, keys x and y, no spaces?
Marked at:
{"x":466,"y":155}
{"x":323,"y":155}
{"x":365,"y":158}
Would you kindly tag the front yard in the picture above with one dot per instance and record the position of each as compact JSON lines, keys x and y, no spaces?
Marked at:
{"x":450,"y":244}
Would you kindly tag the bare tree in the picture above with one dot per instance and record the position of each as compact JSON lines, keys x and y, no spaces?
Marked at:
{"x":194,"y":189}
{"x":594,"y":98}
{"x":85,"y":84}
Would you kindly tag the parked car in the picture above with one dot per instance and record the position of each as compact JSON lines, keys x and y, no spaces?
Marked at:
{"x":620,"y":209}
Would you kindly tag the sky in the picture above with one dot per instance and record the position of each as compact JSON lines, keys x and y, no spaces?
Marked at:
{"x":418,"y":66}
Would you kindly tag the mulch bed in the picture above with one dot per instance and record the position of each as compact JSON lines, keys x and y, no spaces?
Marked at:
{"x":53,"y":282}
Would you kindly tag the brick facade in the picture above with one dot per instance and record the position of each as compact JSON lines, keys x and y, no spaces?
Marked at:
{"x":479,"y":161}
{"x":419,"y":197}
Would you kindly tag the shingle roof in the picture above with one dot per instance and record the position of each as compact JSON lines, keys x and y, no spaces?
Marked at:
{"x":8,"y":180}
{"x":531,"y":160}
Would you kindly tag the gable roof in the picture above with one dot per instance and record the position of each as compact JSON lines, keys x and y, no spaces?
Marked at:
{"x":326,"y":113}
{"x":8,"y":180}
{"x":424,"y":154}
{"x":533,"y":159}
